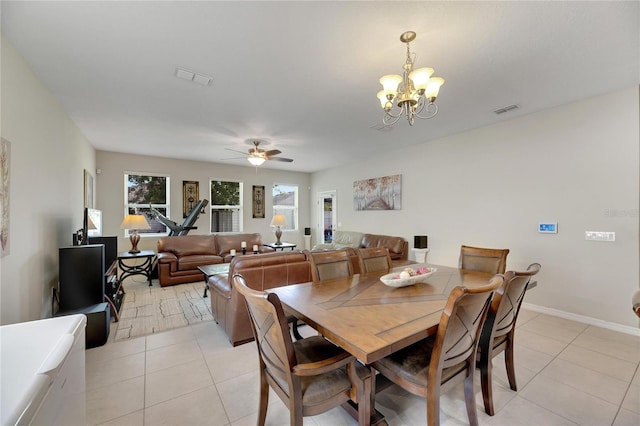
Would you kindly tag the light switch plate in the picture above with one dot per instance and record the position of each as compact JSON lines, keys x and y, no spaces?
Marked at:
{"x":548,"y":227}
{"x":600,"y":236}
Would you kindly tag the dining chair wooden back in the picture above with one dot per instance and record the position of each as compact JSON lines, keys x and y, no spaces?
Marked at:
{"x":492,"y":261}
{"x":326,"y":265}
{"x":311,"y":375}
{"x":499,"y":330}
{"x":436,"y":363}
{"x":374,"y":259}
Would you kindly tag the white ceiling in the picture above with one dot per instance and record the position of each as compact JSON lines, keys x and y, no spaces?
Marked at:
{"x":304,"y":75}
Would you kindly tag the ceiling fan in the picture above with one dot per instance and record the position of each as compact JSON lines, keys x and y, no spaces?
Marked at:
{"x":257,"y":156}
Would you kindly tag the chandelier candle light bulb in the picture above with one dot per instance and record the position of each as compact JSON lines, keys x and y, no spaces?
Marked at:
{"x":410,"y":94}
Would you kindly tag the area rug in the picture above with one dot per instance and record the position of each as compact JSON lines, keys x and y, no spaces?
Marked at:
{"x":147,"y":310}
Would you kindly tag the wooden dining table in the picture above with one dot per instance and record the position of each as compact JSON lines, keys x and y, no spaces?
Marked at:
{"x":369,"y":319}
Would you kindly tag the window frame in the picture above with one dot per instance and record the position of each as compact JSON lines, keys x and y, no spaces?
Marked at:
{"x":166,"y":206}
{"x":295,"y":207}
{"x":240,"y":206}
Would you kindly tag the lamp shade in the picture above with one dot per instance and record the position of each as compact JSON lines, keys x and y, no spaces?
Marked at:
{"x":390,"y":82}
{"x":278,"y":220}
{"x":135,"y":221}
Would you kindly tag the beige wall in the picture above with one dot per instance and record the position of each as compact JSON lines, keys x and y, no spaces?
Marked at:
{"x":48,"y":156}
{"x":110,"y":189}
{"x":576,"y":164}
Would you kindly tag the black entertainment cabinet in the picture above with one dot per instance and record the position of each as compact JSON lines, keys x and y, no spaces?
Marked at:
{"x":88,"y":284}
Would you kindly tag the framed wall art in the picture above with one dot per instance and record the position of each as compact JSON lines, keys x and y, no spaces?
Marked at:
{"x":88,"y":189}
{"x":383,"y":193}
{"x":258,"y":202}
{"x":5,"y":156}
{"x":190,"y":196}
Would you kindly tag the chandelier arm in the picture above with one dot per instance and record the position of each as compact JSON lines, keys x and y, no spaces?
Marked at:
{"x":432,"y":111}
{"x":390,"y":120}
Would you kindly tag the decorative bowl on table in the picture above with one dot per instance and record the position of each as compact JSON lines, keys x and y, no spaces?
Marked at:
{"x":407,"y":277}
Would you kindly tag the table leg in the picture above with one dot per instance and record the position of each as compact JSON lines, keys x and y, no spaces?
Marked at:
{"x":206,"y":285}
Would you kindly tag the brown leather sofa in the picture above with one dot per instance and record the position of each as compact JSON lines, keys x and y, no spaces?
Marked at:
{"x":180,"y":256}
{"x":261,"y":272}
{"x":398,"y":246}
{"x":226,"y":242}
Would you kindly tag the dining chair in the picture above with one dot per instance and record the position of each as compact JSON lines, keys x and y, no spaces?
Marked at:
{"x":374,"y":259}
{"x":498,"y":332}
{"x":311,"y":375}
{"x":434,"y":364}
{"x":492,"y":261}
{"x":326,"y":265}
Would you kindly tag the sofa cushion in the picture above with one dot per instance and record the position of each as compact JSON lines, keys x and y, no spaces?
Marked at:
{"x":342,"y":239}
{"x":227,"y":242}
{"x":186,"y":245}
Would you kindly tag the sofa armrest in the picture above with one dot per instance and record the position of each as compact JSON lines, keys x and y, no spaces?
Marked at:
{"x":169,"y":258}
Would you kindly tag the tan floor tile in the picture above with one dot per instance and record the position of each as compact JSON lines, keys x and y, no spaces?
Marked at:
{"x":113,"y":401}
{"x":569,"y":402}
{"x":133,"y":419}
{"x":527,"y":358}
{"x":114,"y":350}
{"x":597,"y":361}
{"x":172,"y":382}
{"x":236,"y":362}
{"x":169,"y":337}
{"x":240,"y":395}
{"x":520,"y":412}
{"x":613,"y":348}
{"x":115,"y":370}
{"x":553,"y":331}
{"x":613,"y":336}
{"x":588,"y":381}
{"x":539,"y":342}
{"x":201,"y":407}
{"x":169,"y":356}
{"x":627,"y":418}
{"x":632,"y":399}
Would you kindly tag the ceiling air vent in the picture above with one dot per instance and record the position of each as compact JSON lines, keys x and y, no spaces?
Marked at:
{"x":506,"y":109}
{"x":201,"y":79}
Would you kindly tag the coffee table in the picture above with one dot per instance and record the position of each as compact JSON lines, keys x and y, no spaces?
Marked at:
{"x":209,"y":270}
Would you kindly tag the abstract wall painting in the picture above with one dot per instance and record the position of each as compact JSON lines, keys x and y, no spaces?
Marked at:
{"x":383,"y":193}
{"x":5,"y":157}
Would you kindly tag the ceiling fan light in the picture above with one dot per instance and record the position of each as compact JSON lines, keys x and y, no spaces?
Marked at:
{"x":390,"y":82}
{"x":420,"y":77}
{"x":433,"y":88}
{"x":256,"y":161}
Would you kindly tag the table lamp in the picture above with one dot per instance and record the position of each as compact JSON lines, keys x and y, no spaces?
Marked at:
{"x":133,"y":222}
{"x":278,"y":221}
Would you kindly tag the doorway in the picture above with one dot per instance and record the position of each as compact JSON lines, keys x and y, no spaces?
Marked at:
{"x":328,"y":212}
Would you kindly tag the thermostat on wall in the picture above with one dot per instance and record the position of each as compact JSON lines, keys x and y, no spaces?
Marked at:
{"x":548,"y":227}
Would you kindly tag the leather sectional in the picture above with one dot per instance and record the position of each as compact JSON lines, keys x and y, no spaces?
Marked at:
{"x":180,"y":256}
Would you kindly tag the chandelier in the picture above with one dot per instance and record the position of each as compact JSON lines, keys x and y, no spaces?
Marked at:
{"x":410,"y":94}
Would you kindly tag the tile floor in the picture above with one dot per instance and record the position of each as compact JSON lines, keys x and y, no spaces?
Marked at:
{"x":568,"y":374}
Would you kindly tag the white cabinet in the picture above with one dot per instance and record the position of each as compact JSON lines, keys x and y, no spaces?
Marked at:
{"x":42,"y":373}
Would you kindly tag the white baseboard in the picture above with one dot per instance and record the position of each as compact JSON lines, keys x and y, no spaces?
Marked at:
{"x":583,"y":319}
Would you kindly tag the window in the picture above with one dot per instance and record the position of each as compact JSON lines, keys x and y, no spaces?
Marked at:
{"x":226,"y":206}
{"x":285,"y":201}
{"x":143,"y":192}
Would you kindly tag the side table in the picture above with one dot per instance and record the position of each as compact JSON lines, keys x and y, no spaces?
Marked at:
{"x":145,"y":268}
{"x":281,"y":246}
{"x":420,"y":254}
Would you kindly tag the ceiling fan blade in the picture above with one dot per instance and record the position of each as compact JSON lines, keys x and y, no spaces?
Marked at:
{"x":232,"y":158}
{"x":235,"y":150}
{"x":284,"y":160}
{"x":272,"y":152}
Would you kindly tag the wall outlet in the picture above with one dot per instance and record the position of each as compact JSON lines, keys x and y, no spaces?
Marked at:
{"x":599,"y":236}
